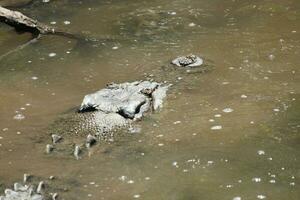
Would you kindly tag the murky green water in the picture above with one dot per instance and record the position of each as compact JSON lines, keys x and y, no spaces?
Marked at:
{"x":252,"y":49}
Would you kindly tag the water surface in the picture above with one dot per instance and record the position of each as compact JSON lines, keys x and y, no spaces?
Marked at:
{"x":193,"y":148}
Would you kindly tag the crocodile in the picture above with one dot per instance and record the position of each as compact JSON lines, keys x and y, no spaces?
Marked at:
{"x":106,"y":111}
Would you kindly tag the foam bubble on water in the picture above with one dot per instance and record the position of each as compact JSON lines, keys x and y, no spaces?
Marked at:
{"x":122,"y":178}
{"x":34,"y":78}
{"x":130,"y":181}
{"x":272,"y":181}
{"x":175,"y":164}
{"x":260,"y":196}
{"x":218,"y":115}
{"x":276,"y":110}
{"x":136,"y":196}
{"x":261,"y":152}
{"x":177,"y":122}
{"x":192,"y":24}
{"x":67,"y":22}
{"x":256,"y":179}
{"x":52,"y":54}
{"x":53,"y":22}
{"x":227,"y":110}
{"x":272,"y":175}
{"x":19,"y":116}
{"x":237,"y":198}
{"x":217,"y":127}
{"x":211,"y":120}
{"x":115,"y":47}
{"x":271,"y":57}
{"x":210,"y":162}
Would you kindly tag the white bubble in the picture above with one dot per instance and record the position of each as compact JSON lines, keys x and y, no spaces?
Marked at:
{"x":52,"y":54}
{"x":115,"y":47}
{"x":34,"y":78}
{"x":122,"y":178}
{"x":67,"y":22}
{"x":272,"y":181}
{"x":261,"y":152}
{"x":271,"y":57}
{"x":192,"y":24}
{"x":217,"y":127}
{"x":237,"y":198}
{"x":227,"y":110}
{"x":136,"y":196}
{"x":218,"y":115}
{"x":260,"y":196}
{"x":256,"y":179}
{"x":19,"y":117}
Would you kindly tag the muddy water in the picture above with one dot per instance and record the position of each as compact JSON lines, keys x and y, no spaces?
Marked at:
{"x":232,"y":131}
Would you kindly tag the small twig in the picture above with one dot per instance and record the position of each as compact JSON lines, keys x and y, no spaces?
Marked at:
{"x":19,"y":48}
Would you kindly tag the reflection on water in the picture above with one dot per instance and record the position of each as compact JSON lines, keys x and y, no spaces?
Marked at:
{"x":230,"y":132}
